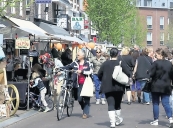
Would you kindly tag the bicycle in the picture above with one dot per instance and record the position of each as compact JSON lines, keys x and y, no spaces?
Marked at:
{"x":35,"y":100}
{"x":65,"y":99}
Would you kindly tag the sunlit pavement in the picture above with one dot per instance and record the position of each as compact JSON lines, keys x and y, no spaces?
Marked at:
{"x":135,"y":116}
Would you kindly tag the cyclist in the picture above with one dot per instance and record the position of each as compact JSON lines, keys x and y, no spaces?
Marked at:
{"x":82,"y":68}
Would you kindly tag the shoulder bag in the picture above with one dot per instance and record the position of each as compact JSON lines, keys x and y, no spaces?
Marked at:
{"x":88,"y":88}
{"x":119,"y":76}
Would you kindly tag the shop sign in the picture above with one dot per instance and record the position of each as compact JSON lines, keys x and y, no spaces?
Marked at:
{"x":77,"y":23}
{"x":43,"y":1}
{"x":22,"y":43}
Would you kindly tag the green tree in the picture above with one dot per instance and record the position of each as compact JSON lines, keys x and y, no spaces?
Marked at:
{"x":4,"y":4}
{"x":136,"y":31}
{"x":113,"y":19}
{"x":169,"y":35}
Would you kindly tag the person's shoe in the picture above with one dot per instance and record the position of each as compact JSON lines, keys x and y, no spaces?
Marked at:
{"x":103,"y":101}
{"x":171,"y":122}
{"x":118,"y":117}
{"x":139,"y":100}
{"x":47,"y":109}
{"x":97,"y":101}
{"x":84,"y":116}
{"x":129,"y":103}
{"x":148,"y":103}
{"x":40,"y":109}
{"x":155,"y":123}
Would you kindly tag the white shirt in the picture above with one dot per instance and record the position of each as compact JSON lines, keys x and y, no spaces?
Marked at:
{"x":59,"y":64}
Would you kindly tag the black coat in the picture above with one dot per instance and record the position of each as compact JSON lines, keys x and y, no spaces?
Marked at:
{"x":161,"y":73}
{"x":108,"y":84}
{"x":144,"y":64}
{"x":128,"y":62}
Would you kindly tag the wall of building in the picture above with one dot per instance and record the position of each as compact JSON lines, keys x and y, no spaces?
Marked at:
{"x":154,"y":3}
{"x":156,"y":31}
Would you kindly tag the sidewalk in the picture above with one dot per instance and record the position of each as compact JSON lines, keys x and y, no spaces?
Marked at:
{"x":20,"y":115}
{"x":135,"y":116}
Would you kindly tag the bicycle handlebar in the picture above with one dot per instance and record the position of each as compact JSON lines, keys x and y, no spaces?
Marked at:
{"x":61,"y":69}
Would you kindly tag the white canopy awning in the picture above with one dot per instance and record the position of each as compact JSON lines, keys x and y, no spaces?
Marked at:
{"x":28,"y":26}
{"x":33,"y":29}
{"x":68,"y":38}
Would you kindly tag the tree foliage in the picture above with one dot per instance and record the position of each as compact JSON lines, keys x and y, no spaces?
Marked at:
{"x":4,"y":4}
{"x":115,"y":20}
{"x":168,"y":38}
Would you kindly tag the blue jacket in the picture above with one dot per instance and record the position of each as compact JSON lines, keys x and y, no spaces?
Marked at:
{"x":75,"y":66}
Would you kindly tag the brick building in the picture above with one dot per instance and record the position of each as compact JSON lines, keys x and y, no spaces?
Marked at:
{"x":156,"y":19}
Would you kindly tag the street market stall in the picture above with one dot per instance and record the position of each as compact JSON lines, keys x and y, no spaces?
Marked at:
{"x":19,"y":47}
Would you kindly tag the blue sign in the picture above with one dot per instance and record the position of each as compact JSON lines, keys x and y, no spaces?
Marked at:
{"x":43,"y":1}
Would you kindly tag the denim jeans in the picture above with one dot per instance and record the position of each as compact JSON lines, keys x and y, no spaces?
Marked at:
{"x":165,"y":103}
{"x":146,"y":96}
{"x":97,"y":83}
{"x":171,"y":101}
{"x":83,"y":101}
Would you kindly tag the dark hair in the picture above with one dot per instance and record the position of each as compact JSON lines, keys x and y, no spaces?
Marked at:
{"x":131,"y":52}
{"x":135,"y":54}
{"x":161,"y":52}
{"x":113,"y":52}
{"x":36,"y":68}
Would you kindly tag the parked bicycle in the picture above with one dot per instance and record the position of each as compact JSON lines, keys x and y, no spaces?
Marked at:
{"x":65,"y":99}
{"x":35,"y":101}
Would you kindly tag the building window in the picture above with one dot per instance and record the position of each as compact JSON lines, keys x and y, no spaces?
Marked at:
{"x":149,"y":22}
{"x":27,"y":2}
{"x":138,"y":3}
{"x":149,"y":38}
{"x":3,"y":5}
{"x":161,"y":38}
{"x":171,"y":5}
{"x":13,"y":9}
{"x":21,"y":8}
{"x":161,"y":22}
{"x":148,"y":3}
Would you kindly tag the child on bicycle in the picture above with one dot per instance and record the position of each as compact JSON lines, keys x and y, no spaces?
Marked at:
{"x":37,"y":82}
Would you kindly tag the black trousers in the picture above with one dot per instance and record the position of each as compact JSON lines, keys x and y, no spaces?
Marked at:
{"x":114,"y":100}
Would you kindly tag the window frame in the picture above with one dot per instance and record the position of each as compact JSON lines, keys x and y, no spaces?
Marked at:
{"x":162,"y":24}
{"x":150,"y":26}
{"x":162,"y":38}
{"x":150,"y":40}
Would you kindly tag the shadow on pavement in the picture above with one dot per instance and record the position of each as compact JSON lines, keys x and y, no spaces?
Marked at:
{"x":161,"y":123}
{"x":107,"y":124}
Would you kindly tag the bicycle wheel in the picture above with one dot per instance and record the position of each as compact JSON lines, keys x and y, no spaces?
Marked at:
{"x":70,"y":104}
{"x":61,"y":104}
{"x":50,"y":103}
{"x":23,"y":105}
{"x":13,"y":103}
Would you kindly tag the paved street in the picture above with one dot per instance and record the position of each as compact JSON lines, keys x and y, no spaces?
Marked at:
{"x":135,"y":116}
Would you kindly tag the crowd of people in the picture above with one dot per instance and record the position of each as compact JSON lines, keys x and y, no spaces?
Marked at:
{"x":140,"y":65}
